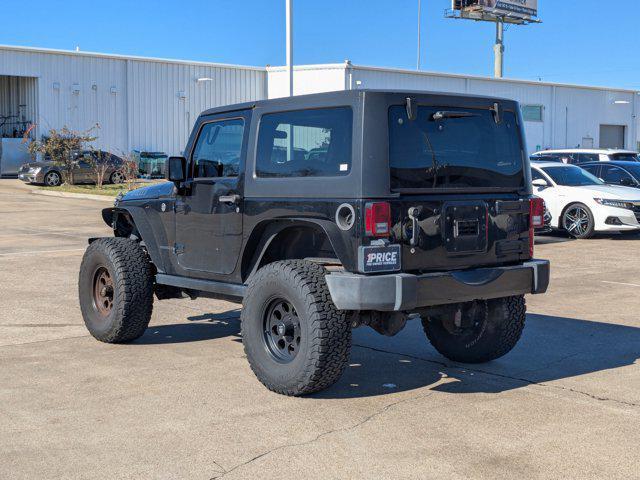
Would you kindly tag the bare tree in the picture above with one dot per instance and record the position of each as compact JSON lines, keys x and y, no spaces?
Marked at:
{"x":61,"y":146}
{"x":101,"y":162}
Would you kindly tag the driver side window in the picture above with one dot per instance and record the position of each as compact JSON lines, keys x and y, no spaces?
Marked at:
{"x":218,"y":149}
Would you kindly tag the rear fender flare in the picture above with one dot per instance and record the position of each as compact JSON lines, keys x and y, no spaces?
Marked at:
{"x":264,"y":235}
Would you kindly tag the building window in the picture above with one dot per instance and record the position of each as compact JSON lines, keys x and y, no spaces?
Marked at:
{"x":532,"y":113}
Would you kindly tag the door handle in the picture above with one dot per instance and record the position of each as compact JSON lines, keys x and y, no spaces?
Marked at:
{"x":229,"y":198}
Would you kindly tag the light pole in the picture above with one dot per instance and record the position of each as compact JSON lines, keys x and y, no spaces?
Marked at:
{"x":419,"y":32}
{"x":498,"y":49}
{"x":290,"y":45}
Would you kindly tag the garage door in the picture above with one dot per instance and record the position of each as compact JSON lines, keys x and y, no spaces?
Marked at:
{"x":612,"y":136}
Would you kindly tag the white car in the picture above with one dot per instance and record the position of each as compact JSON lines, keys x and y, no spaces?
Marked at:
{"x":576,"y":156}
{"x":582,"y":204}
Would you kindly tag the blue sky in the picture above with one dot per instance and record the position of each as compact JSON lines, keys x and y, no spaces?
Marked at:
{"x":580,"y":41}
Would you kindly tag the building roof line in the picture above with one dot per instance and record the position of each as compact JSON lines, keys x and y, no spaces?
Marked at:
{"x":115,"y":56}
{"x":492,"y":79}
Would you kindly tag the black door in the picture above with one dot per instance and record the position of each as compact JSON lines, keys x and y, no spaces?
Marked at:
{"x":208,"y":213}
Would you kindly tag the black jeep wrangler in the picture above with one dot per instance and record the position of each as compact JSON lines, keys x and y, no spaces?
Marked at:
{"x":327,"y":212}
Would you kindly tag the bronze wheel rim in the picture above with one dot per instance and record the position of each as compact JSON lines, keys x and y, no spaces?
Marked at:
{"x":103,"y":291}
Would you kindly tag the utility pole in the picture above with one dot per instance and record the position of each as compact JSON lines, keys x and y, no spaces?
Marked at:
{"x":419,"y":32}
{"x":290,"y":45}
{"x":498,"y":48}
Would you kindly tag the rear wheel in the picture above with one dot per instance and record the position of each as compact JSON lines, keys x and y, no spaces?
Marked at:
{"x":52,"y":179}
{"x":295,"y":339}
{"x":578,"y":221}
{"x":116,"y":290}
{"x":477,"y":332}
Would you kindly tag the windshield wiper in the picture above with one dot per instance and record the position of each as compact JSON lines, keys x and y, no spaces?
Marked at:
{"x":447,"y":114}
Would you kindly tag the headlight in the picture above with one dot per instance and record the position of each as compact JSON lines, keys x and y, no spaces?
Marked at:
{"x":614,"y":203}
{"x":35,"y":170}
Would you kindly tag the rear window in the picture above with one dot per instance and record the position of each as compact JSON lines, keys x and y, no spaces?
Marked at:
{"x":305,"y":143}
{"x":448,"y":147}
{"x":629,"y":157}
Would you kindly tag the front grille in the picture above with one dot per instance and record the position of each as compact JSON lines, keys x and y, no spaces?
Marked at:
{"x":636,"y":211}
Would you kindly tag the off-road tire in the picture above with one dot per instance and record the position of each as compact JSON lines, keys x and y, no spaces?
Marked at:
{"x":325,"y":331}
{"x":502,"y":328}
{"x":128,"y":265}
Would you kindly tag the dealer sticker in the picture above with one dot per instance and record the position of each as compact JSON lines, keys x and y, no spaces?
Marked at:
{"x":379,"y":258}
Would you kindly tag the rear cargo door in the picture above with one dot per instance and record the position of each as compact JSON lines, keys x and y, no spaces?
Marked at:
{"x":458,"y":172}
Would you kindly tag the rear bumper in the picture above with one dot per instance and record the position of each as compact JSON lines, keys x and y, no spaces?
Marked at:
{"x":404,"y":292}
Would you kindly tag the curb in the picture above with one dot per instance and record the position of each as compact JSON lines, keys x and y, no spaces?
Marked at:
{"x":85,"y":196}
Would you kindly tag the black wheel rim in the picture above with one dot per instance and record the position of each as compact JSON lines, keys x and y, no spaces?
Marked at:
{"x":282,"y":333}
{"x":468,"y":322}
{"x":576,"y":221}
{"x":103,"y":291}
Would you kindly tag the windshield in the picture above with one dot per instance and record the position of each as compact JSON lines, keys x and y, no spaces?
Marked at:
{"x":447,"y":147}
{"x":570,"y":176}
{"x":629,"y":157}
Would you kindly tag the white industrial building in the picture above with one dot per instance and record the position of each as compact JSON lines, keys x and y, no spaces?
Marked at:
{"x":151,"y":104}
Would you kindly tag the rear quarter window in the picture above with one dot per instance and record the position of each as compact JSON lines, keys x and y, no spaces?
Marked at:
{"x":305,"y":143}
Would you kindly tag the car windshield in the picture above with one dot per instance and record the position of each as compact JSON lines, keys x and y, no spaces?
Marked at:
{"x":629,"y":157}
{"x":447,"y":147}
{"x":570,"y":176}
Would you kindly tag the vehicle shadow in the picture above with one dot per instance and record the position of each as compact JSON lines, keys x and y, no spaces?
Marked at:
{"x":552,"y":348}
{"x":200,"y":327}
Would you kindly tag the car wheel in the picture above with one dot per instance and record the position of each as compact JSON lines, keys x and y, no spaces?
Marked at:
{"x":52,"y":179}
{"x":295,"y":339}
{"x":116,"y":290}
{"x":578,"y":222}
{"x":477,"y":332}
{"x":116,"y":177}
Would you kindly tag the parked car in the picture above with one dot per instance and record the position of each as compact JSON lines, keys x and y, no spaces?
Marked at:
{"x":582,"y":204}
{"x":416,"y":210}
{"x":46,"y":172}
{"x":577,"y":156}
{"x":615,"y":172}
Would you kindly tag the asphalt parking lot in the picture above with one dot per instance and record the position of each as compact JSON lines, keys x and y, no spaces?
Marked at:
{"x":181,"y":402}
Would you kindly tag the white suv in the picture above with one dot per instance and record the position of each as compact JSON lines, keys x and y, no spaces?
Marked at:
{"x":576,"y":156}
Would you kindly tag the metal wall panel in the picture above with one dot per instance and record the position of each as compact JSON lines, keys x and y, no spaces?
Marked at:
{"x":137,"y":103}
{"x":571,"y":113}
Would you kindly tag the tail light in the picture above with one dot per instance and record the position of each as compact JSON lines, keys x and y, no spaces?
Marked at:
{"x":377,"y":219}
{"x":536,"y":219}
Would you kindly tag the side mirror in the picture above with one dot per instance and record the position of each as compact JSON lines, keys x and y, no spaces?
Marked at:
{"x":540,"y":182}
{"x":176,"y":169}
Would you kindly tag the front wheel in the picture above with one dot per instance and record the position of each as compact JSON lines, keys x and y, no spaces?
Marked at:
{"x":116,"y":290}
{"x":117,"y":177}
{"x":295,"y":339}
{"x":477,"y":332}
{"x":52,"y":179}
{"x":578,"y":221}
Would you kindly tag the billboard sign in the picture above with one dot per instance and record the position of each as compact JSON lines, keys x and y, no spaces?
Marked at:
{"x":524,"y":9}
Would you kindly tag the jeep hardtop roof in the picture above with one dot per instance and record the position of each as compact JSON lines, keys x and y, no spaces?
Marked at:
{"x":347,"y":94}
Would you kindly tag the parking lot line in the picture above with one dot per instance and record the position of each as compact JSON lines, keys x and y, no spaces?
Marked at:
{"x":33,"y":252}
{"x":622,"y":283}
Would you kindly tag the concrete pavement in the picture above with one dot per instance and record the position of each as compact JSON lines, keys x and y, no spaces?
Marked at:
{"x":181,"y":402}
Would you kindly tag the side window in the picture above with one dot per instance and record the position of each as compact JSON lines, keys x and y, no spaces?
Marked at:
{"x":592,"y":169}
{"x":305,"y":143}
{"x":536,"y":175}
{"x":616,"y":176}
{"x":588,"y":157}
{"x":218,"y":149}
